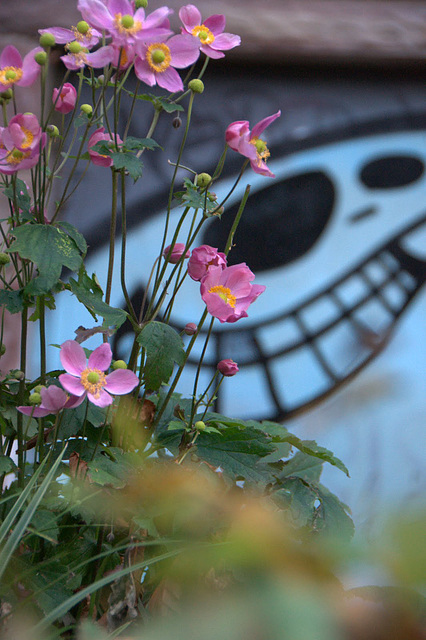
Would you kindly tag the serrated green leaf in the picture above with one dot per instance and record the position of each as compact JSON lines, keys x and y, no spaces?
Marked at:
{"x":50,"y":249}
{"x":6,"y":464}
{"x":296,"y":497}
{"x":311,"y":448}
{"x":164,"y":348}
{"x":133,"y":144}
{"x":302,"y":466}
{"x":129,"y":162}
{"x":89,"y":294}
{"x":20,"y":195}
{"x":238,"y":452}
{"x":73,"y":233}
{"x":12,"y":300}
{"x":192,"y":197}
{"x":332,"y":516}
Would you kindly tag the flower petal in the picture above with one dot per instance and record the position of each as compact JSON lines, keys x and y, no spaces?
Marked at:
{"x":72,"y":385}
{"x":211,"y":53}
{"x":158,"y":18}
{"x":103,"y":400}
{"x":101,"y":57}
{"x":35,"y":412}
{"x":96,"y":14}
{"x":261,"y":126}
{"x":73,"y":358}
{"x":170,"y":80}
{"x":190,"y":17}
{"x":61,"y":35}
{"x":144,"y":72}
{"x":10,"y":57}
{"x":101,"y":357}
{"x":53,"y":398}
{"x":184,"y":50}
{"x":121,"y":381}
{"x":30,"y":68}
{"x":216,"y":23}
{"x":226,"y":41}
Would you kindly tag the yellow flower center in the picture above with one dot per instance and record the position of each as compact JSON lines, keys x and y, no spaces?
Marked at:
{"x":29,"y":137}
{"x":126,"y":24}
{"x":10,"y":75}
{"x":16,"y":156}
{"x":262,"y":151}
{"x":81,"y":35}
{"x":225,"y":294}
{"x":203,"y":33}
{"x":158,"y":56}
{"x":93,"y":380}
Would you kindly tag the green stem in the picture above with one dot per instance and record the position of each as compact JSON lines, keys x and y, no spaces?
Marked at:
{"x":112,"y":237}
{"x":21,"y":395}
{"x":123,"y":247}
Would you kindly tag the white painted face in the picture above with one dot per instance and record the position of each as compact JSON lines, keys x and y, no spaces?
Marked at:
{"x":329,"y":210}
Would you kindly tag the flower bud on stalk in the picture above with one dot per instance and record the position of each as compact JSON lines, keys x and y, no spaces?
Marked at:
{"x":52,"y":131}
{"x":87,"y":109}
{"x":200,"y":425}
{"x":196,"y":86}
{"x":228,"y":368}
{"x":203,"y":180}
{"x":35,"y":398}
{"x":141,"y":4}
{"x":119,"y":364}
{"x":47,"y":40}
{"x":41,"y":58}
{"x":176,"y":122}
{"x":4,"y":259}
{"x":190,"y":329}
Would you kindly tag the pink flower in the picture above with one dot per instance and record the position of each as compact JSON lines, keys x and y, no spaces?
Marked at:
{"x":65,"y":98}
{"x":123,"y":23}
{"x":212,"y":40}
{"x":176,"y":254}
{"x":81,"y":58}
{"x":204,"y":258}
{"x":239,"y":137}
{"x":228,"y":367}
{"x":89,"y":378}
{"x":64,"y":36}
{"x":53,"y":400}
{"x":23,"y":133}
{"x":228,"y":292}
{"x":14,"y":70}
{"x":156,"y":61}
{"x":98,"y":136}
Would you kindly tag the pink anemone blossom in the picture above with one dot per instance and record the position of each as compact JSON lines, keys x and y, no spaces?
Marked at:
{"x":88,"y":378}
{"x":239,"y":137}
{"x":14,"y":70}
{"x":98,"y":158}
{"x":227,"y":367}
{"x":202,"y":259}
{"x":156,"y":62}
{"x":228,"y":292}
{"x":23,"y":133}
{"x":64,"y":98}
{"x":176,"y":253}
{"x":53,"y":400}
{"x":64,"y":36}
{"x":124,"y":24}
{"x":211,"y":39}
{"x":82,"y":58}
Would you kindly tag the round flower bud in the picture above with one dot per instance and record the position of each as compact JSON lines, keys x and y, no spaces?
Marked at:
{"x":100,"y":80}
{"x":176,"y":122}
{"x":6,"y":95}
{"x":190,"y":329}
{"x":176,"y":253}
{"x":52,"y":131}
{"x":141,"y":4}
{"x":119,"y":364}
{"x":35,"y":398}
{"x":196,"y":86}
{"x":74,"y":47}
{"x":38,"y":388}
{"x":41,"y":58}
{"x":203,"y":179}
{"x":82,"y":27}
{"x":227,"y":367}
{"x":87,"y":109}
{"x":2,"y":349}
{"x":200,"y":425}
{"x":4,"y":259}
{"x":47,"y":40}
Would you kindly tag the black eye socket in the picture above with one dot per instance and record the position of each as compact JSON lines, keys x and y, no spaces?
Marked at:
{"x":391,"y":172}
{"x":279,"y":224}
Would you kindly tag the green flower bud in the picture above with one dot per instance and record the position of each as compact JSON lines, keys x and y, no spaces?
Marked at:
{"x":82,"y":27}
{"x":6,"y":95}
{"x":200,"y":425}
{"x":203,"y":179}
{"x":141,"y":4}
{"x":4,"y":259}
{"x":87,"y":109}
{"x":119,"y":364}
{"x":35,"y":398}
{"x":74,"y":47}
{"x":2,"y":349}
{"x":196,"y":86}
{"x":100,"y":80}
{"x":52,"y":131}
{"x":47,"y":40}
{"x":41,"y":58}
{"x":38,"y":388}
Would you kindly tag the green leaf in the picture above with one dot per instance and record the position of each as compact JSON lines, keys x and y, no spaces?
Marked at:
{"x":72,"y":232}
{"x":192,"y":197}
{"x":20,"y":195}
{"x":50,"y":249}
{"x":129,"y":162}
{"x":238,"y":452}
{"x":6,"y":464}
{"x":134,"y":144}
{"x":311,"y":448}
{"x":302,"y":466}
{"x":296,"y":497}
{"x":164,"y":347}
{"x":112,"y":473}
{"x":45,"y":524}
{"x":12,"y":300}
{"x":332,"y":516}
{"x":88,"y":292}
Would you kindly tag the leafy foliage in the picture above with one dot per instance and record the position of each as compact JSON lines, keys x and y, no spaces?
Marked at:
{"x":164,"y":348}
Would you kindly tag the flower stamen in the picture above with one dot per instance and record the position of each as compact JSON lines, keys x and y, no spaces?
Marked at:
{"x":203,"y":33}
{"x":93,"y":380}
{"x":158,"y":57}
{"x":29,"y":137}
{"x":126,"y":24}
{"x":10,"y":75}
{"x":262,"y":151}
{"x":225,"y":294}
